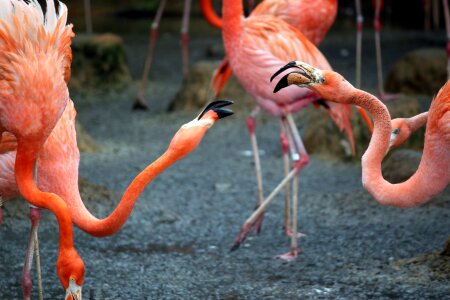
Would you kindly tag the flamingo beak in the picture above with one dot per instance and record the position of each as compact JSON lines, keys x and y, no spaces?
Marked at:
{"x":218,"y":108}
{"x":307,"y":75}
{"x":73,"y":292}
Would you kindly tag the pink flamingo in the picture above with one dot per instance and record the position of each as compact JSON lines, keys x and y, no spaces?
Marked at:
{"x":59,"y":160}
{"x":447,"y":27}
{"x":432,"y":175}
{"x":264,"y":41}
{"x":140,"y":99}
{"x":33,"y":58}
{"x":312,"y":18}
{"x":378,"y":6}
{"x":402,"y":128}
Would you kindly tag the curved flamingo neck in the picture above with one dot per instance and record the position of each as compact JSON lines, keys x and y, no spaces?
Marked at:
{"x":419,"y":188}
{"x":232,"y":15}
{"x":24,"y":169}
{"x":416,"y":122}
{"x":111,"y":224}
{"x":210,"y":14}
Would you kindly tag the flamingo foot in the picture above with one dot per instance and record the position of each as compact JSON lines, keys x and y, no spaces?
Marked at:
{"x":140,"y":104}
{"x":258,"y":223}
{"x":290,"y":256}
{"x":241,"y":236}
{"x":388,"y":97}
{"x":288,"y":232}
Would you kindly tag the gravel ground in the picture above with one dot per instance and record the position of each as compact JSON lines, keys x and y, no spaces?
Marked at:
{"x":176,"y":243}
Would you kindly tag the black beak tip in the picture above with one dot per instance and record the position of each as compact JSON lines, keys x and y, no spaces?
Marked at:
{"x":223,"y":112}
{"x":281,"y":84}
{"x":291,"y":64}
{"x":217,"y":107}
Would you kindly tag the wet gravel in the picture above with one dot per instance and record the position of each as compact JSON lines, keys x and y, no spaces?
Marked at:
{"x":176,"y":243}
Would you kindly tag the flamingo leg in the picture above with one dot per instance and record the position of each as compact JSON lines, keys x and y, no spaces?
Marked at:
{"x":447,"y":26}
{"x":88,"y":16}
{"x":377,"y":26}
{"x":257,"y":162}
{"x":140,"y":100}
{"x":300,"y":158}
{"x":1,"y":211}
{"x":185,"y":37}
{"x":38,"y":267}
{"x":26,"y":283}
{"x":285,"y":142}
{"x":427,"y":14}
{"x":436,"y":14}
{"x":359,"y":29}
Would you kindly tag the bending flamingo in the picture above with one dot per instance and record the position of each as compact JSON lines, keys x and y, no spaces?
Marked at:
{"x":33,"y":58}
{"x":433,"y":173}
{"x":264,"y":41}
{"x":59,"y":160}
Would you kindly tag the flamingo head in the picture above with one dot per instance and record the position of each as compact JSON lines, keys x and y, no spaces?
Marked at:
{"x":400,"y":132}
{"x":70,"y":269}
{"x":327,"y":84}
{"x":190,"y":134}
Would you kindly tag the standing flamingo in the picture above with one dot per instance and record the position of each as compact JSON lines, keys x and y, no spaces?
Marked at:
{"x":447,"y":28}
{"x":264,"y":41}
{"x":312,"y":18}
{"x":378,"y":7}
{"x":433,"y":173}
{"x":33,"y":94}
{"x":140,"y":98}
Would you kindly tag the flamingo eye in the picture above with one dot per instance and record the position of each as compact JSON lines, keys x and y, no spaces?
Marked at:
{"x":396,"y":131}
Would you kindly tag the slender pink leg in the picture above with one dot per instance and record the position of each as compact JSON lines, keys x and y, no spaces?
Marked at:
{"x":299,"y":164}
{"x":257,"y":162}
{"x":284,"y":141}
{"x":185,"y":37}
{"x":447,"y":26}
{"x":427,"y":13}
{"x":1,"y":211}
{"x":436,"y":14}
{"x":377,"y":26}
{"x":251,"y":5}
{"x":88,"y":16}
{"x":359,"y":29}
{"x":35,"y":214}
{"x":140,"y":100}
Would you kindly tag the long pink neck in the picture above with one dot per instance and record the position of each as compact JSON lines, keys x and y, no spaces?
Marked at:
{"x":417,"y":122}
{"x":111,"y":224}
{"x":24,"y":169}
{"x":426,"y":182}
{"x":232,"y":16}
{"x":210,"y":14}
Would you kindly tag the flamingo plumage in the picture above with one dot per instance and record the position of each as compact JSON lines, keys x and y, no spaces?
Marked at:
{"x":262,"y":42}
{"x":312,"y":18}
{"x":433,"y":173}
{"x":33,"y":95}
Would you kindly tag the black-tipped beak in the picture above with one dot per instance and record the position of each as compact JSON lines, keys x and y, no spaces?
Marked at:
{"x":282,"y":83}
{"x":292,"y":64}
{"x":217,"y":106}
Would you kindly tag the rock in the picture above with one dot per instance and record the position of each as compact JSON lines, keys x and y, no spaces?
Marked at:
{"x":419,"y":72}
{"x":99,"y":62}
{"x":85,"y":141}
{"x":400,"y":165}
{"x":195,"y":91}
{"x":321,"y":135}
